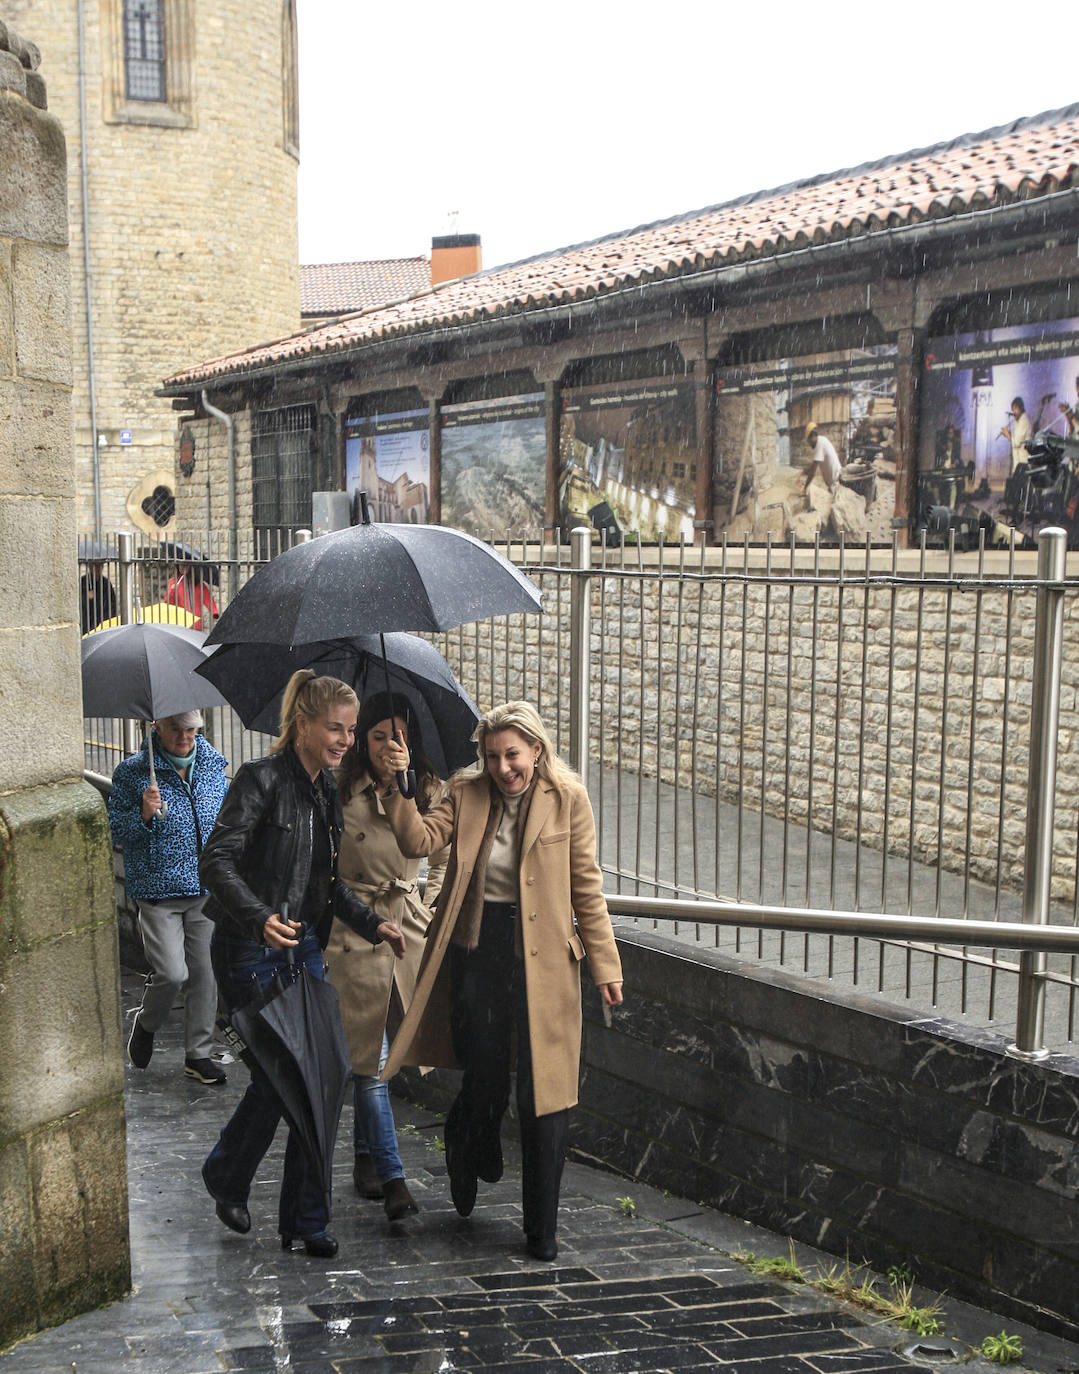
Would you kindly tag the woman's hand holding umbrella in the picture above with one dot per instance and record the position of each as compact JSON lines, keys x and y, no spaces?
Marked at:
{"x":281,"y":933}
{"x":152,"y":803}
{"x":397,"y":760}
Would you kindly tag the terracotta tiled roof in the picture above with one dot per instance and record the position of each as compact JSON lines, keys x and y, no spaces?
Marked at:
{"x":1030,"y":158}
{"x":340,"y":288}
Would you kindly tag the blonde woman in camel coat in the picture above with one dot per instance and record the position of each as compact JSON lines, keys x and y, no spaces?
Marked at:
{"x":375,"y":990}
{"x":521,"y":906}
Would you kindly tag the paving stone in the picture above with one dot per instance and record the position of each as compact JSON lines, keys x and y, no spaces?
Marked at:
{"x":660,"y":1291}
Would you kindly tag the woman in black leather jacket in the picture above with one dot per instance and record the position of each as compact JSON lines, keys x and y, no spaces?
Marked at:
{"x":270,"y":866}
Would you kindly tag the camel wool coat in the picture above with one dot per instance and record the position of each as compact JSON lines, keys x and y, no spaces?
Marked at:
{"x":374,"y":986}
{"x":563,"y":917}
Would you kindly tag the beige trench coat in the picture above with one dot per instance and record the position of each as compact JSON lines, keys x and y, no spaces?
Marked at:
{"x":563,"y":917}
{"x":373,"y":986}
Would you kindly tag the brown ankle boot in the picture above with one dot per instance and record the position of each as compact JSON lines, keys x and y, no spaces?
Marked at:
{"x":365,"y":1177}
{"x":399,"y":1201}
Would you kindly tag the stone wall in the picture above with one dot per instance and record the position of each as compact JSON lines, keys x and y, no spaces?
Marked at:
{"x":874,"y":713}
{"x":63,"y":1178}
{"x":193,"y":231}
{"x":860,"y":1129}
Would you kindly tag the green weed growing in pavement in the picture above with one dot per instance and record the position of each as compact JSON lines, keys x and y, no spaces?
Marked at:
{"x":626,"y":1206}
{"x":774,"y":1265}
{"x":1002,"y":1349}
{"x":856,"y":1285}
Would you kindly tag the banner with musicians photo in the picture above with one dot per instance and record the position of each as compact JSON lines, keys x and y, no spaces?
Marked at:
{"x":984,"y":398}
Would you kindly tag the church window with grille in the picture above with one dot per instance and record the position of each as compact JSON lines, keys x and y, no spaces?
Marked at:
{"x":282,"y":471}
{"x":144,"y":50}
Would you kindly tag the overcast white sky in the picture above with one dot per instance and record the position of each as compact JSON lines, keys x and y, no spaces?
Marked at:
{"x":545,"y":124}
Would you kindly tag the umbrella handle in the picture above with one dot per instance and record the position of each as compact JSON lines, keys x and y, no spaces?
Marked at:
{"x":406,"y":783}
{"x":163,"y":809}
{"x":290,"y":951}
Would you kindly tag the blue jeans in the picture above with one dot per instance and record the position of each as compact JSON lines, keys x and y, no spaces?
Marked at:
{"x":241,"y":966}
{"x":373,"y":1131}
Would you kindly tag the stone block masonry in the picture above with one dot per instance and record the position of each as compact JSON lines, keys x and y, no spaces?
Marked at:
{"x":63,"y":1182}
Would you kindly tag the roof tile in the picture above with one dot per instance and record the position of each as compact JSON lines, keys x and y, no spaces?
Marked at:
{"x":1035,"y":155}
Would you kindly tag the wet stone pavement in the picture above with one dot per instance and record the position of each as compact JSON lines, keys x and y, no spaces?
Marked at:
{"x":659,"y":1290}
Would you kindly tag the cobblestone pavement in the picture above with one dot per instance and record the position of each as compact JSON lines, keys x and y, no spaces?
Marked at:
{"x":658,"y":1290}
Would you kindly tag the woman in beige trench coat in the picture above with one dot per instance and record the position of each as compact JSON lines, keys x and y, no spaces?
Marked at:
{"x":521,"y":905}
{"x":375,"y":991}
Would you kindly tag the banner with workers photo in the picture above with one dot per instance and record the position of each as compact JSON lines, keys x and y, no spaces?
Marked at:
{"x":494,"y":464}
{"x":999,"y":433}
{"x":628,"y":460}
{"x":389,"y":457}
{"x":805,"y":446}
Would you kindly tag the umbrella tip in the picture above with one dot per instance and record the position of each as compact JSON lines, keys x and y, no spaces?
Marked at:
{"x":365,"y":513}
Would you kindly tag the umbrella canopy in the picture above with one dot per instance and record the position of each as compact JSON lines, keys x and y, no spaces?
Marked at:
{"x":144,"y":671}
{"x":158,"y":612}
{"x":252,"y":678}
{"x":95,"y":550}
{"x":371,"y":578}
{"x":292,"y":1032}
{"x":174,"y":551}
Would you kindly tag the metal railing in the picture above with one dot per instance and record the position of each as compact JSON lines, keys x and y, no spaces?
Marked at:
{"x":809,"y":730}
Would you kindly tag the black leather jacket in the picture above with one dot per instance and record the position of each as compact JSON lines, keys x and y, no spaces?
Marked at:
{"x":258,"y":857}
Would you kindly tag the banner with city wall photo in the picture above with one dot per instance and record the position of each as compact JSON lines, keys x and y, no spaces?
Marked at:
{"x":628,"y":460}
{"x":782,"y":422}
{"x":494,"y":463}
{"x":389,"y":457}
{"x":985,"y":399}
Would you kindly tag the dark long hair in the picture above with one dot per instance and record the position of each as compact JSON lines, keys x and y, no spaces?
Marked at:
{"x":356,"y":762}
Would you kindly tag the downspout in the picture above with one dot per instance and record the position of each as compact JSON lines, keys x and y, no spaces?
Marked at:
{"x":230,"y":431}
{"x":84,"y":186}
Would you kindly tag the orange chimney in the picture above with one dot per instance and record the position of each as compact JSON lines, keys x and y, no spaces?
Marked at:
{"x":455,"y":255}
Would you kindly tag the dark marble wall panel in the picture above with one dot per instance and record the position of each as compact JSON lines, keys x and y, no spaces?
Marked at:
{"x":863,"y":1129}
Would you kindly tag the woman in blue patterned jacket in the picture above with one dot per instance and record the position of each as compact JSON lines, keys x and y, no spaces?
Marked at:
{"x":161,"y":828}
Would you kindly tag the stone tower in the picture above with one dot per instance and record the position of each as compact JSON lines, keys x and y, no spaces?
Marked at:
{"x":183,"y":144}
{"x":63,"y":1180}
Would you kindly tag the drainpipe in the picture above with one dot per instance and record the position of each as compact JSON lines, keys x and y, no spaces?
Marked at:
{"x":230,"y":431}
{"x":84,"y":186}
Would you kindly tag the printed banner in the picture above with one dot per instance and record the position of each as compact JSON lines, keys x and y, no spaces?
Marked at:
{"x":826,"y":419}
{"x":494,"y":466}
{"x":987,"y":400}
{"x":628,"y":460}
{"x":389,"y":457}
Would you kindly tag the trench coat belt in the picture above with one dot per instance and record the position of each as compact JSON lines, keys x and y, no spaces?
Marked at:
{"x":393,"y":894}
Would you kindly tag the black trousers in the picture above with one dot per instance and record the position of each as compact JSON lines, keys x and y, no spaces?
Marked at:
{"x":488,"y":1005}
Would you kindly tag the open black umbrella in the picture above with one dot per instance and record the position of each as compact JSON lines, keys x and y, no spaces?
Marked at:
{"x":252,"y":677}
{"x":175,"y":551}
{"x":373,"y":578}
{"x":370,"y":579}
{"x":291,"y":1031}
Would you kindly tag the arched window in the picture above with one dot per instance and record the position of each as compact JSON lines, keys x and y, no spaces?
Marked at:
{"x":144,"y":50}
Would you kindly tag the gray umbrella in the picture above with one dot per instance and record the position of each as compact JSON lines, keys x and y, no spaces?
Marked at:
{"x":145,"y":672}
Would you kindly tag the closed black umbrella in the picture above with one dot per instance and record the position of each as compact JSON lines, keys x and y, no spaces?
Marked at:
{"x":252,"y":677}
{"x":291,"y":1031}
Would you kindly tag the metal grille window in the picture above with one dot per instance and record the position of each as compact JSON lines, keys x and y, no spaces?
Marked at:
{"x":282,"y":468}
{"x":144,"y":50}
